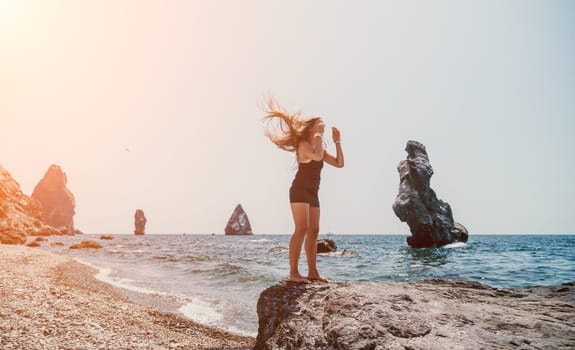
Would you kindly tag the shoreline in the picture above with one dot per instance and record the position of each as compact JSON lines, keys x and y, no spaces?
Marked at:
{"x":51,"y":301}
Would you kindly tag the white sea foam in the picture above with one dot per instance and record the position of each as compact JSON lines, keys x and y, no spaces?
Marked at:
{"x":104,"y":275}
{"x":202,"y":312}
{"x":262,"y":240}
{"x":454,"y":245}
{"x":208,"y":314}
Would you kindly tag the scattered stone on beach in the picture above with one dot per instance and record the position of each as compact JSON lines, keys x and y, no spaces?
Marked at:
{"x":430,"y":219}
{"x":139,"y":222}
{"x":57,"y":201}
{"x":86,"y":245}
{"x":20,"y":215}
{"x":433,"y":314}
{"x":52,"y":302}
{"x":106,"y":237}
{"x":33,"y":244}
{"x":40,"y":239}
{"x":238,"y":224}
{"x":57,"y":244}
{"x":326,"y":246}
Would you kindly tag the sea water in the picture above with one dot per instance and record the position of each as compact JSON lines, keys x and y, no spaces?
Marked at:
{"x":216,"y":280}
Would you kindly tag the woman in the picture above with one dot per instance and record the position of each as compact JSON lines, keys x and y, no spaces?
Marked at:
{"x":304,"y":136}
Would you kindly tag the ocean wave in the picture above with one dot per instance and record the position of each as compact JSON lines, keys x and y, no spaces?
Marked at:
{"x":278,"y":250}
{"x":262,"y":240}
{"x":224,"y":269}
{"x":454,"y":245}
{"x":340,"y":253}
{"x":210,"y":314}
{"x":104,"y":275}
{"x":201,"y":311}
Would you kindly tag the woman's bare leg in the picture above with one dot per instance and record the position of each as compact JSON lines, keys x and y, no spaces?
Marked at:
{"x":300,"y":213}
{"x":311,"y":245}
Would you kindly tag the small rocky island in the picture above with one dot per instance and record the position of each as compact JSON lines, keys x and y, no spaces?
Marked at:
{"x":430,"y":219}
{"x":238,"y":224}
{"x":433,"y":314}
{"x":139,"y":222}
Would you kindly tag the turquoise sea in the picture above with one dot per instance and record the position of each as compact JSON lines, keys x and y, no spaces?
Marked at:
{"x":216,"y":279}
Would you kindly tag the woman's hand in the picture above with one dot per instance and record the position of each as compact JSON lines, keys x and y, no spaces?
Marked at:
{"x":335,"y":134}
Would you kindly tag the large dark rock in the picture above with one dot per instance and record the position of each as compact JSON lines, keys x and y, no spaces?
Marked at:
{"x":57,"y":201}
{"x":238,"y":224}
{"x":434,"y":314}
{"x":20,"y":215}
{"x":430,"y":219}
{"x":139,"y":222}
{"x":326,"y":246}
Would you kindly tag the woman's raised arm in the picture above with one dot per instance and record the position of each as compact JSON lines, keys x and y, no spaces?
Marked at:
{"x":336,"y":161}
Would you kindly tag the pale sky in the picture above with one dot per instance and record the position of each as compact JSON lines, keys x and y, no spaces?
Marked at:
{"x":157,"y":105}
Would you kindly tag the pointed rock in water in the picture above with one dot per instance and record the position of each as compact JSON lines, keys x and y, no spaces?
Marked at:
{"x":434,"y":314}
{"x":430,"y":219}
{"x":57,"y":201}
{"x":238,"y":224}
{"x":20,"y":215}
{"x":139,"y":222}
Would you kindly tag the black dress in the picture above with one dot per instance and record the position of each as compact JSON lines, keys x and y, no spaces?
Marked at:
{"x":305,"y":185}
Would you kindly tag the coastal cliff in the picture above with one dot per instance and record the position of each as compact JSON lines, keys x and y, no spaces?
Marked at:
{"x":20,"y":215}
{"x":432,"y":314}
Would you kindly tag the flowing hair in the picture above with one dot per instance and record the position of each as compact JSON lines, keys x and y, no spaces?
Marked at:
{"x":286,"y":130}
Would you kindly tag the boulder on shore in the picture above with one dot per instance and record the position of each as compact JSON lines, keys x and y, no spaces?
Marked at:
{"x":238,"y":224}
{"x":433,"y":314}
{"x":139,"y":222}
{"x":430,"y":219}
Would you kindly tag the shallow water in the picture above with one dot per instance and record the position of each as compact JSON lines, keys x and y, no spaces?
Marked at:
{"x":216,"y":280}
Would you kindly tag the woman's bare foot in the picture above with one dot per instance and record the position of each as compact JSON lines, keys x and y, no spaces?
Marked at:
{"x":318,"y":278}
{"x":298,"y":279}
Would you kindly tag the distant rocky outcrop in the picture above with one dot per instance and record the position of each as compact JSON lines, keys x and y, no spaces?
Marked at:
{"x":430,"y":219}
{"x":238,"y":224}
{"x":434,"y":314}
{"x":57,"y":201}
{"x":326,"y":246}
{"x":139,"y":222}
{"x":20,"y":215}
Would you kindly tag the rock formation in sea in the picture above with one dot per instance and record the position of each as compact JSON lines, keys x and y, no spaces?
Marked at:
{"x":430,"y":219}
{"x":238,"y":224}
{"x":139,"y":222}
{"x":89,"y":244}
{"x":433,"y":314}
{"x":57,"y":201}
{"x":20,"y":215}
{"x":326,"y":246}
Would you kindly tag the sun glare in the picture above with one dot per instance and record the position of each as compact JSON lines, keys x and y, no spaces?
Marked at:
{"x":10,"y":11}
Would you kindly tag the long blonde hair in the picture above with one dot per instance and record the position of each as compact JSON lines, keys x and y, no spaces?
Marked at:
{"x":286,"y":130}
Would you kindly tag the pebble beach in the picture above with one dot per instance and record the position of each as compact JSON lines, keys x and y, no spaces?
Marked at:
{"x":53,"y":302}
